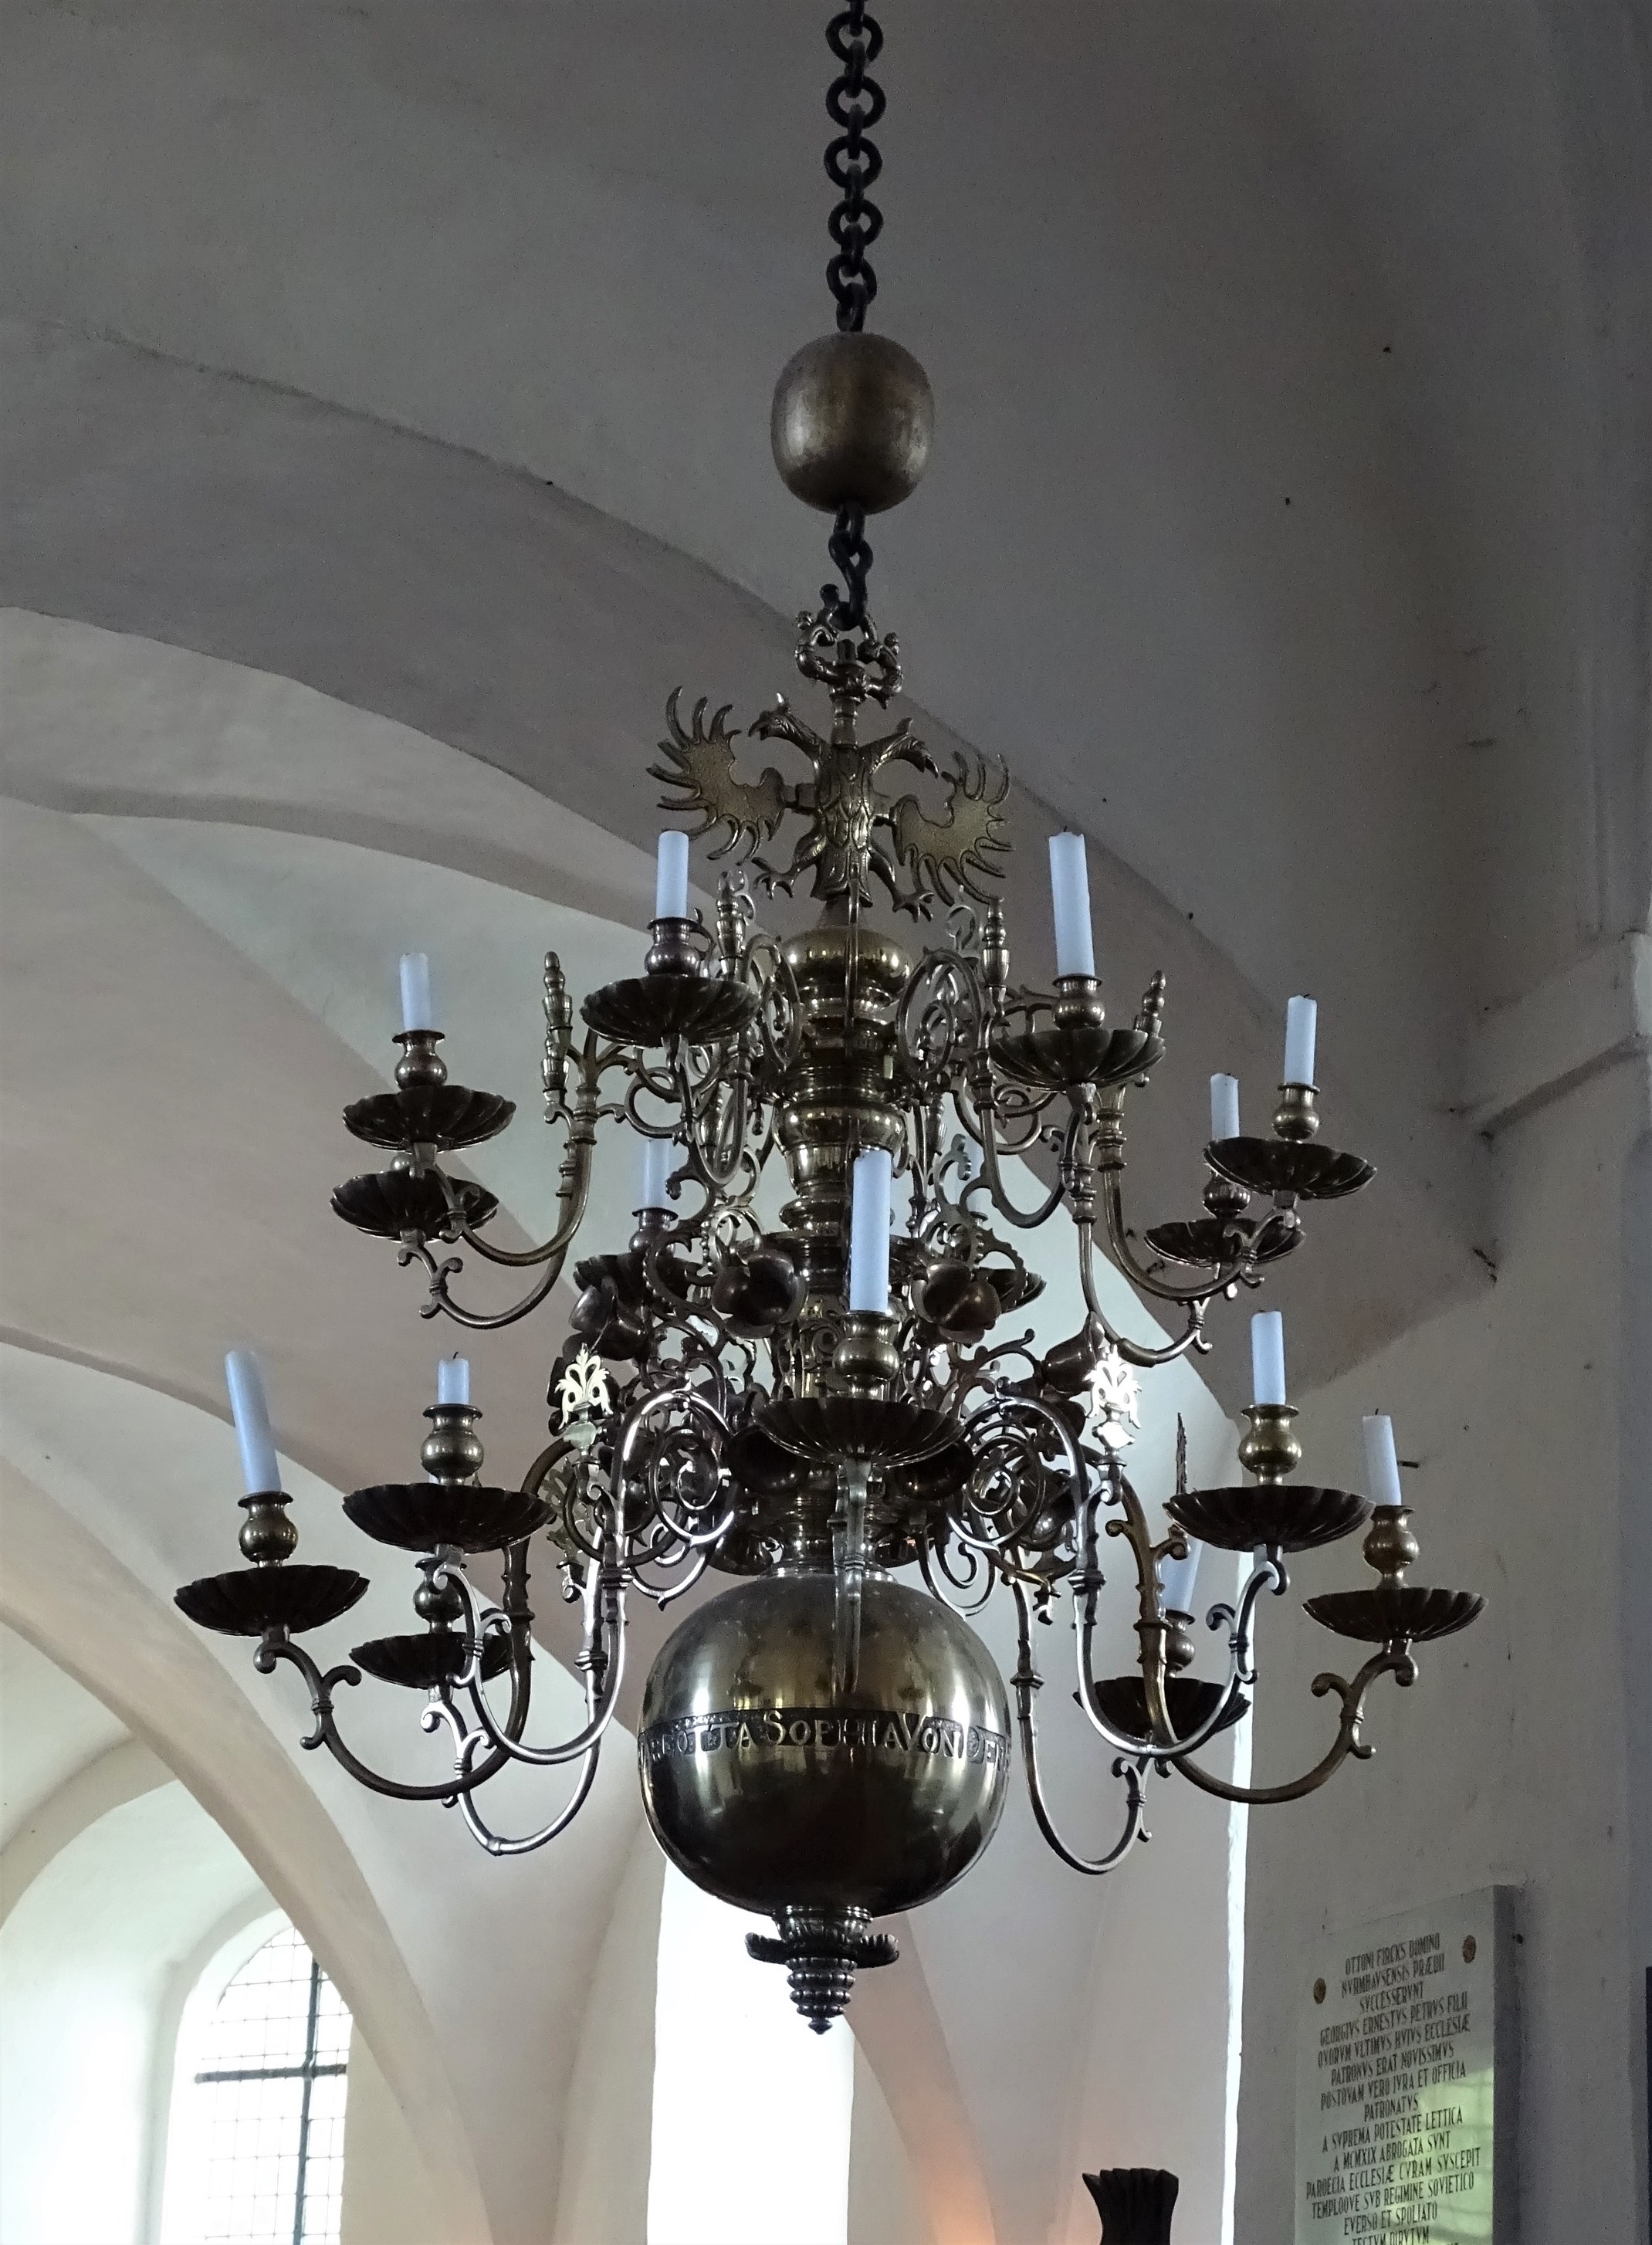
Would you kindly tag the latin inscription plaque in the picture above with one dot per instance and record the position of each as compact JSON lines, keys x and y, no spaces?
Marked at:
{"x":1404,"y":2078}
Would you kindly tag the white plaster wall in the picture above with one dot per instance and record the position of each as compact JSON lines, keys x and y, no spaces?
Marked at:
{"x":609,"y":2126}
{"x":135,"y":1923}
{"x":726,"y":2039}
{"x":85,"y":1957}
{"x":885,"y":2202}
{"x":1511,"y":1758}
{"x":387,"y":2193}
{"x":49,"y":1728}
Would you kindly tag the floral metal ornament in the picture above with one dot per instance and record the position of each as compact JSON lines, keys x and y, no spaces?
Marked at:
{"x":1113,"y":1409}
{"x":584,"y":1392}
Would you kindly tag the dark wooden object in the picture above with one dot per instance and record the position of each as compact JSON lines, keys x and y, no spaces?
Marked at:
{"x":1135,"y":2204}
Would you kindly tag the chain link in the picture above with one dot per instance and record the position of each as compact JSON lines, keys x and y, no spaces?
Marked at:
{"x":854,"y":102}
{"x":851,"y":555}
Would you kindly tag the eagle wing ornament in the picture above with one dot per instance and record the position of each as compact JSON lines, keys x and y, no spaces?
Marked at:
{"x":854,"y":830}
{"x":944,"y":856}
{"x":701,"y":763}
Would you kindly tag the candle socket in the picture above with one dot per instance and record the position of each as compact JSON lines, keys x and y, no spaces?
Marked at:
{"x":421,"y":1066}
{"x":734,"y":912}
{"x":650,"y":1223}
{"x":559,"y":1036}
{"x":1224,"y":1198}
{"x":1078,"y":1001}
{"x":268,"y":1537}
{"x":1179,"y":1647}
{"x":1150,"y":1014}
{"x":995,"y":955}
{"x":677,"y":946}
{"x":1269,"y":1451}
{"x":866,"y":1359}
{"x":452,"y":1450}
{"x":1297,"y":1116}
{"x":441,"y":1604}
{"x":1390,"y":1546}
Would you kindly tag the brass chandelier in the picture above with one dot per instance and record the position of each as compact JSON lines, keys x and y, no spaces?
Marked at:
{"x":818,"y":1411}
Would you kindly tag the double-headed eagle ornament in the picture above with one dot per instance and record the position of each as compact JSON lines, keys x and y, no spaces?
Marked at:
{"x":853,"y":830}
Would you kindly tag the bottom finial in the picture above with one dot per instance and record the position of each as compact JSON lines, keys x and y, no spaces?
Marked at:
{"x":822,"y":1949}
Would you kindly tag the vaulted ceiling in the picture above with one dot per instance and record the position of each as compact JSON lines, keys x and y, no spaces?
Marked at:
{"x":410,"y":360}
{"x":1284,"y":363}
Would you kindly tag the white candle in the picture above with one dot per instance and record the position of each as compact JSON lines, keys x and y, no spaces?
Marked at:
{"x":1381,"y":1467}
{"x":259,"y":1469}
{"x":868,"y":1231}
{"x":1176,"y":1580}
{"x":654,"y":1167}
{"x":453,"y":1380}
{"x":1070,"y":898}
{"x":1302,"y":1026}
{"x":415,"y":992}
{"x":1224,"y":1107}
{"x":1267,"y":1357}
{"x":671,"y":877}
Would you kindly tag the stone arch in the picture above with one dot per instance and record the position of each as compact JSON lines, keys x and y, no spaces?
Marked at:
{"x":68,"y":1594}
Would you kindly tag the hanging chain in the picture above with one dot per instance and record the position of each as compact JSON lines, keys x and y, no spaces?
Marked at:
{"x":852,"y":556}
{"x":855,"y":103}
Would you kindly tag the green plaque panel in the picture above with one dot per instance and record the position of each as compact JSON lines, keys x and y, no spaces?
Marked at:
{"x":1405,"y":2056}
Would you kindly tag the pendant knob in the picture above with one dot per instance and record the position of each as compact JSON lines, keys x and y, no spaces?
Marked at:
{"x":851,"y":423}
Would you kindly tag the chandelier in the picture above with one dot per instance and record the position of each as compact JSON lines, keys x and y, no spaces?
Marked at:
{"x":833,"y":1416}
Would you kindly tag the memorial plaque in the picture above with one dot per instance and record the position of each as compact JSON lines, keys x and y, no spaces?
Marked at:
{"x":1406,"y":2058}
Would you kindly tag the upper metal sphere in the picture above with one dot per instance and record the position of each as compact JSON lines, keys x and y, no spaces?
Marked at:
{"x":769,"y":1788}
{"x":851,"y":423}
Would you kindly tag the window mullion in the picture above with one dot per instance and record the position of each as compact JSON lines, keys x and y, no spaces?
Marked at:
{"x":304,"y":2099}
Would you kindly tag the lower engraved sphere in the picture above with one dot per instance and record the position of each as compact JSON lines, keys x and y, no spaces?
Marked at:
{"x":768,"y":1788}
{"x":851,"y":423}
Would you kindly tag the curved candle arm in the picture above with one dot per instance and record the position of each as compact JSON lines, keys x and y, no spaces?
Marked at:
{"x":1165,"y":1747}
{"x":601,"y":1657}
{"x":1025,"y":1683}
{"x":495,"y":1844}
{"x":326,"y":1733}
{"x":441,"y":1303}
{"x":1022,"y":1219}
{"x":574,"y":1183}
{"x":963,"y":1012}
{"x":1087,"y":1582}
{"x":1392,"y":1659}
{"x":1134,"y":1352}
{"x":1222,"y":1276}
{"x":716,"y":1170}
{"x":602,"y":1654}
{"x":467,"y":1741}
